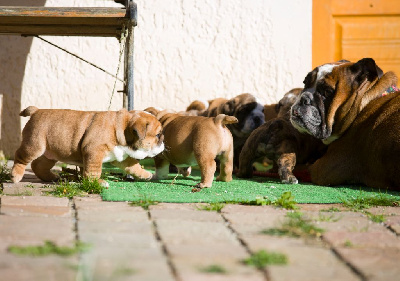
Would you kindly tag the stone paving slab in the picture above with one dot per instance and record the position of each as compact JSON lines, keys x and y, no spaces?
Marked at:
{"x":123,"y":242}
{"x":195,"y":239}
{"x":178,"y":241}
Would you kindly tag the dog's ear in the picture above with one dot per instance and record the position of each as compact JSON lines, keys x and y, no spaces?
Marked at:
{"x":309,"y":81}
{"x":227,"y":108}
{"x":366,"y":68}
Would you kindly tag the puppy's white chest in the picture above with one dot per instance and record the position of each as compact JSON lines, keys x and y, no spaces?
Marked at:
{"x":119,"y":153}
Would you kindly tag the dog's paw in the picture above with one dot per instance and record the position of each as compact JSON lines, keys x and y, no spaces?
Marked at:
{"x":16,"y":178}
{"x":185,"y":171}
{"x":103,"y":183}
{"x":290,"y":179}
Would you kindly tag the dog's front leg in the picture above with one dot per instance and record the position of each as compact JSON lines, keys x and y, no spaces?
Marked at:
{"x":286,"y":163}
{"x":132,"y":167}
{"x":92,"y":165}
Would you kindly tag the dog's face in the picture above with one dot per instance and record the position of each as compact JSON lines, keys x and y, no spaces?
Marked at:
{"x":248,"y":112}
{"x":144,"y":134}
{"x":286,"y":102}
{"x":333,"y":95}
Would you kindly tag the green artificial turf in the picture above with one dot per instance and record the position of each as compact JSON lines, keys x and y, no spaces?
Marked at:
{"x":179,"y":189}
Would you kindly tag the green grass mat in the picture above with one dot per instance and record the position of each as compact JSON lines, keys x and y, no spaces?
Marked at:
{"x":239,"y":190}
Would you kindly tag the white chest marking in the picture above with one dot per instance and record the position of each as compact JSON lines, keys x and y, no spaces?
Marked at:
{"x":120,"y":153}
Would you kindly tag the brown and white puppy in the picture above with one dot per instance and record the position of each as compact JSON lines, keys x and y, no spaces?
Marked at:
{"x":87,"y":139}
{"x":247,"y":110}
{"x":191,"y":140}
{"x":349,"y":109}
{"x":280,"y":142}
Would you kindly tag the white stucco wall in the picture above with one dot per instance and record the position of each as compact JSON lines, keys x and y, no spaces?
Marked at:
{"x":184,"y":50}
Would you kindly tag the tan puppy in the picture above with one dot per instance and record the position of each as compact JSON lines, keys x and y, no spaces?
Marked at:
{"x":87,"y":139}
{"x":191,"y":140}
{"x":248,"y":112}
{"x":353,"y":109}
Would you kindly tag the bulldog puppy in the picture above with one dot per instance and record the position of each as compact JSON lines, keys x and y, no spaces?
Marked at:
{"x":248,"y":112}
{"x":87,"y":139}
{"x":280,"y":142}
{"x":354,"y":109}
{"x":191,"y":140}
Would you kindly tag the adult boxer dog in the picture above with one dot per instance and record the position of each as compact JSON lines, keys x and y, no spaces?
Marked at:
{"x":191,"y":140}
{"x":87,"y":139}
{"x":248,"y":112}
{"x":280,"y":142}
{"x":351,"y":109}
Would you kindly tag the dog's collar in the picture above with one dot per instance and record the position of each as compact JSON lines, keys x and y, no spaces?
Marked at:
{"x":390,"y":90}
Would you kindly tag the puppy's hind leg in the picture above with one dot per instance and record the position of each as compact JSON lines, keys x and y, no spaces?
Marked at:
{"x":162,"y":168}
{"x":226,"y":166}
{"x":26,"y":153}
{"x":207,"y":167}
{"x":42,"y":168}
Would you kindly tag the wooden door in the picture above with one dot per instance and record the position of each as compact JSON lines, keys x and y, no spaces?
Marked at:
{"x":355,"y":29}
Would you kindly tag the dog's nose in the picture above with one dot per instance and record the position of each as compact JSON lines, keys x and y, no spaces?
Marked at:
{"x":295,"y":112}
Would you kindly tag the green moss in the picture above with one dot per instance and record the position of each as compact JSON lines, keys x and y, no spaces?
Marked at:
{"x":214,"y":268}
{"x":263,"y":258}
{"x":295,"y":225}
{"x":145,"y":203}
{"x":363,"y":201}
{"x":47,"y":249}
{"x":215,"y":207}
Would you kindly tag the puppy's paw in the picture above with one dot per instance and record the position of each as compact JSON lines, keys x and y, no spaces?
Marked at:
{"x":224,"y":178}
{"x":185,"y":171}
{"x":103,"y":183}
{"x":16,"y":178}
{"x":290,"y":179}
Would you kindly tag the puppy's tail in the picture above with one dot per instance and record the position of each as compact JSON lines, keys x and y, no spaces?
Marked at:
{"x":223,"y":119}
{"x":28,"y":111}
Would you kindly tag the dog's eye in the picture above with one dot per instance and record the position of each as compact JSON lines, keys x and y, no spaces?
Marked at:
{"x":158,"y":135}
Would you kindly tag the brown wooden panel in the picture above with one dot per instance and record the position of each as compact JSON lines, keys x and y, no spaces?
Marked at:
{"x":356,"y":29}
{"x":61,"y":21}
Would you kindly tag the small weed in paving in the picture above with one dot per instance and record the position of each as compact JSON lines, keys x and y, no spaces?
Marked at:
{"x":331,"y":210}
{"x":295,"y":225}
{"x":214,"y":268}
{"x":375,"y":218}
{"x":263,"y":258}
{"x":328,"y":218}
{"x":47,"y":249}
{"x":216,"y":207}
{"x":363,"y":201}
{"x":5,"y":173}
{"x":24,"y":193}
{"x":65,"y":188}
{"x":348,"y":244}
{"x":286,"y":201}
{"x":260,"y":201}
{"x":145,"y":203}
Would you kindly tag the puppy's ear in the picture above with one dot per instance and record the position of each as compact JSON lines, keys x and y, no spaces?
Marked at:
{"x":227,"y":108}
{"x":366,"y":68}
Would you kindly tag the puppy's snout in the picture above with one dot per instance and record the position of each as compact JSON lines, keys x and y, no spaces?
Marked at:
{"x":305,"y":100}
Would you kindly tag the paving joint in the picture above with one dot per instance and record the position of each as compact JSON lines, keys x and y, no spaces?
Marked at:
{"x":264,"y":270}
{"x":354,"y":269}
{"x":157,"y":235}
